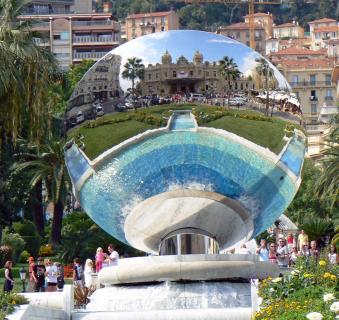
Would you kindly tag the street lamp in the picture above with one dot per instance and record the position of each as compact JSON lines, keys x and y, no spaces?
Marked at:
{"x":22,"y":272}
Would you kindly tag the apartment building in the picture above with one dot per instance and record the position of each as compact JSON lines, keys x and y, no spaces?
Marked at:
{"x":75,"y":37}
{"x":323,"y":30}
{"x":265,"y":20}
{"x":275,"y":44}
{"x":288,"y":30}
{"x":141,"y":24}
{"x":241,"y":32}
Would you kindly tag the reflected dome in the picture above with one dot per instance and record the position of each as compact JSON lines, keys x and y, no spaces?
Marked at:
{"x":179,"y":61}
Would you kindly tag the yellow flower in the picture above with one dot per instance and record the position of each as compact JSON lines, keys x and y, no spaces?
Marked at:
{"x":308,"y":275}
{"x":322,"y":263}
{"x":13,"y":302}
{"x":327,"y":275}
{"x":333,"y":277}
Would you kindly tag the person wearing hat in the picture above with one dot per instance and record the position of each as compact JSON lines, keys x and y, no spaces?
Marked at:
{"x":282,"y":253}
{"x":31,"y":265}
{"x":39,"y":272}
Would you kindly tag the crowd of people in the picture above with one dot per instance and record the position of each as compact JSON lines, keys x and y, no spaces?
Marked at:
{"x":286,"y":250}
{"x":46,"y":276}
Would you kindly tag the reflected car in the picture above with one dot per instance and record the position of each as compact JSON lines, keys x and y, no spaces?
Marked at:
{"x":99,"y":111}
{"x":80,"y":117}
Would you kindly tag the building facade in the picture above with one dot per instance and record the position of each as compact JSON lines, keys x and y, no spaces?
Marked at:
{"x":74,"y":37}
{"x":265,"y":20}
{"x":323,"y":30}
{"x":288,"y":30}
{"x":198,"y":76}
{"x":141,"y":24}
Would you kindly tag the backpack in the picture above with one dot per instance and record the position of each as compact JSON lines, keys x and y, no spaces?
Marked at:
{"x":80,"y":272}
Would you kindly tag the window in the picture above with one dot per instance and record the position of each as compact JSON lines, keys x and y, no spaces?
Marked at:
{"x":215,"y":74}
{"x":328,"y":79}
{"x":157,"y":75}
{"x":313,"y":95}
{"x":247,"y":43}
{"x":165,"y":74}
{"x":313,"y":108}
{"x":297,"y":94}
{"x":313,"y":79}
{"x":295,"y":79}
{"x":133,"y":23}
{"x":199,"y":72}
{"x":174,"y":74}
{"x":162,"y":28}
{"x":149,"y":76}
{"x":247,"y":34}
{"x":162,"y":21}
{"x":238,"y":35}
{"x":207,"y":74}
{"x":191,"y":73}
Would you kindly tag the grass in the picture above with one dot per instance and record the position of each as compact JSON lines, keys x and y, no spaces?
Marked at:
{"x":268,"y":134}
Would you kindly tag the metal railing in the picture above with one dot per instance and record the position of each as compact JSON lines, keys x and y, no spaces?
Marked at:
{"x":329,"y":98}
{"x":85,"y":39}
{"x":88,"y":55}
{"x":107,"y":22}
{"x":311,"y":83}
{"x":41,"y":41}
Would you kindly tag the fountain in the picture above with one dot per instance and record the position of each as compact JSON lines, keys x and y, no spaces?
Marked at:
{"x":183,"y":193}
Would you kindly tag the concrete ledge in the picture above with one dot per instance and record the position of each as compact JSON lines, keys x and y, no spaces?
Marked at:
{"x":187,"y":314}
{"x":186,"y":270}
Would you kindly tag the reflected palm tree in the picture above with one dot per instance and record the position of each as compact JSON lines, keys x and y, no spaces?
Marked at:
{"x":229,"y":70}
{"x":267,"y":74}
{"x":133,"y":69}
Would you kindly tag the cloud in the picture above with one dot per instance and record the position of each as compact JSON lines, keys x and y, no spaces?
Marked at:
{"x":226,"y":40}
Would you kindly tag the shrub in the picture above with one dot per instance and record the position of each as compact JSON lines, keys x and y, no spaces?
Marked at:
{"x":15,"y":241}
{"x":29,"y":233}
{"x":8,"y":302}
{"x":46,"y":251}
{"x":24,"y":256}
{"x":6,"y":253}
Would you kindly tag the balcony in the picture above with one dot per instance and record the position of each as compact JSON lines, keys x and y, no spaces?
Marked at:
{"x":88,"y":55}
{"x":95,"y":24}
{"x":41,"y":41}
{"x":109,"y":39}
{"x":39,"y":26}
{"x":311,"y":84}
{"x":313,"y":98}
{"x":329,"y":98}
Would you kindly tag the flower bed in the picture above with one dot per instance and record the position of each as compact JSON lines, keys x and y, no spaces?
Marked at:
{"x":8,"y":302}
{"x":309,"y":292}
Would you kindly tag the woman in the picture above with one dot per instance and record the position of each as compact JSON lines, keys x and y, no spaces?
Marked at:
{"x":88,"y":273}
{"x":272,"y":255}
{"x":60,"y":276}
{"x":51,"y":276}
{"x":290,"y":242}
{"x":294,"y":255}
{"x":9,"y":282}
{"x":332,"y":255}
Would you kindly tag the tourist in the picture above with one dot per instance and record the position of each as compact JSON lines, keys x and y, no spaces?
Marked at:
{"x":302,"y":238}
{"x":294,"y":255}
{"x":262,"y":251}
{"x":99,"y":259}
{"x":304,"y":252}
{"x":39,"y":271}
{"x":272,"y":254}
{"x":314,"y":252}
{"x":290,"y":242}
{"x":243,"y":250}
{"x":31,"y":264}
{"x":9,"y":281}
{"x":51,"y":276}
{"x":333,"y":257}
{"x":60,"y":276}
{"x":282,"y":253}
{"x":88,"y":273}
{"x":113,"y":256}
{"x":78,"y":273}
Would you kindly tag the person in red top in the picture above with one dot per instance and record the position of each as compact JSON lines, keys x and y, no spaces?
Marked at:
{"x":290,"y":242}
{"x":272,"y":254}
{"x":31,"y":265}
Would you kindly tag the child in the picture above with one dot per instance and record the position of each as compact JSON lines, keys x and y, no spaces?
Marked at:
{"x":99,"y":259}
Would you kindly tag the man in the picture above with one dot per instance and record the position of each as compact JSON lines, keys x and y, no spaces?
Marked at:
{"x":39,"y":271}
{"x":314,"y":252}
{"x":78,"y":273}
{"x":262,"y":251}
{"x":302,"y":238}
{"x":113,"y":257}
{"x":282,"y":253}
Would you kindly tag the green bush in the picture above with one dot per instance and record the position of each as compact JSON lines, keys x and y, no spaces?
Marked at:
{"x":15,"y":241}
{"x":24,"y":256}
{"x":6,"y":254}
{"x":8,"y":302}
{"x":29,"y":233}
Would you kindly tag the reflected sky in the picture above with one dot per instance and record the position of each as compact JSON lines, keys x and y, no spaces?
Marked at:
{"x":214,"y":47}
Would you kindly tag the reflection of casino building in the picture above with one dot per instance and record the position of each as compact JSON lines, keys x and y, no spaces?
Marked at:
{"x":183,"y":76}
{"x":102,"y":82}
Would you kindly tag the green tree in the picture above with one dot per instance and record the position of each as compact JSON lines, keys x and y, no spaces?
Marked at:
{"x":133,"y":69}
{"x":327,"y":187}
{"x":266,"y":73}
{"x":49,"y":166}
{"x":229,"y":70}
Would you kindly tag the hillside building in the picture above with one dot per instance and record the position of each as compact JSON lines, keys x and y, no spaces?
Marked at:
{"x":288,"y":30}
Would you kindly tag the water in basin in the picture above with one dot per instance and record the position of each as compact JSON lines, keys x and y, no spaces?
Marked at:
{"x":182,"y":121}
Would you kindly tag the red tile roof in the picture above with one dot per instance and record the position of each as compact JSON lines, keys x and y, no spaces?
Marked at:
{"x":323,"y":20}
{"x":327,"y":29}
{"x":241,"y":26}
{"x":295,"y":51}
{"x":310,"y":63}
{"x":284,"y":25}
{"x":295,"y":42}
{"x":148,"y":15}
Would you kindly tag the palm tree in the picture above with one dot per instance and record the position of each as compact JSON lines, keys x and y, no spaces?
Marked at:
{"x":133,"y":69}
{"x":267,"y":74}
{"x":327,"y":186}
{"x":229,"y":70}
{"x":26,"y":71}
{"x":48,"y":166}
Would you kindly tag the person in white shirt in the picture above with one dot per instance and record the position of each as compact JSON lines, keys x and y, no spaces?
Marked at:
{"x":113,"y":257}
{"x":282,"y":253}
{"x":51,"y":276}
{"x":88,"y":273}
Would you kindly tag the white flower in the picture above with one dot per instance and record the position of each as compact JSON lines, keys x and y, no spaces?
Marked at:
{"x":277,"y":280}
{"x":328,"y":297}
{"x":314,"y":316}
{"x":272,"y":290}
{"x":335,"y":307}
{"x":295,"y":272}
